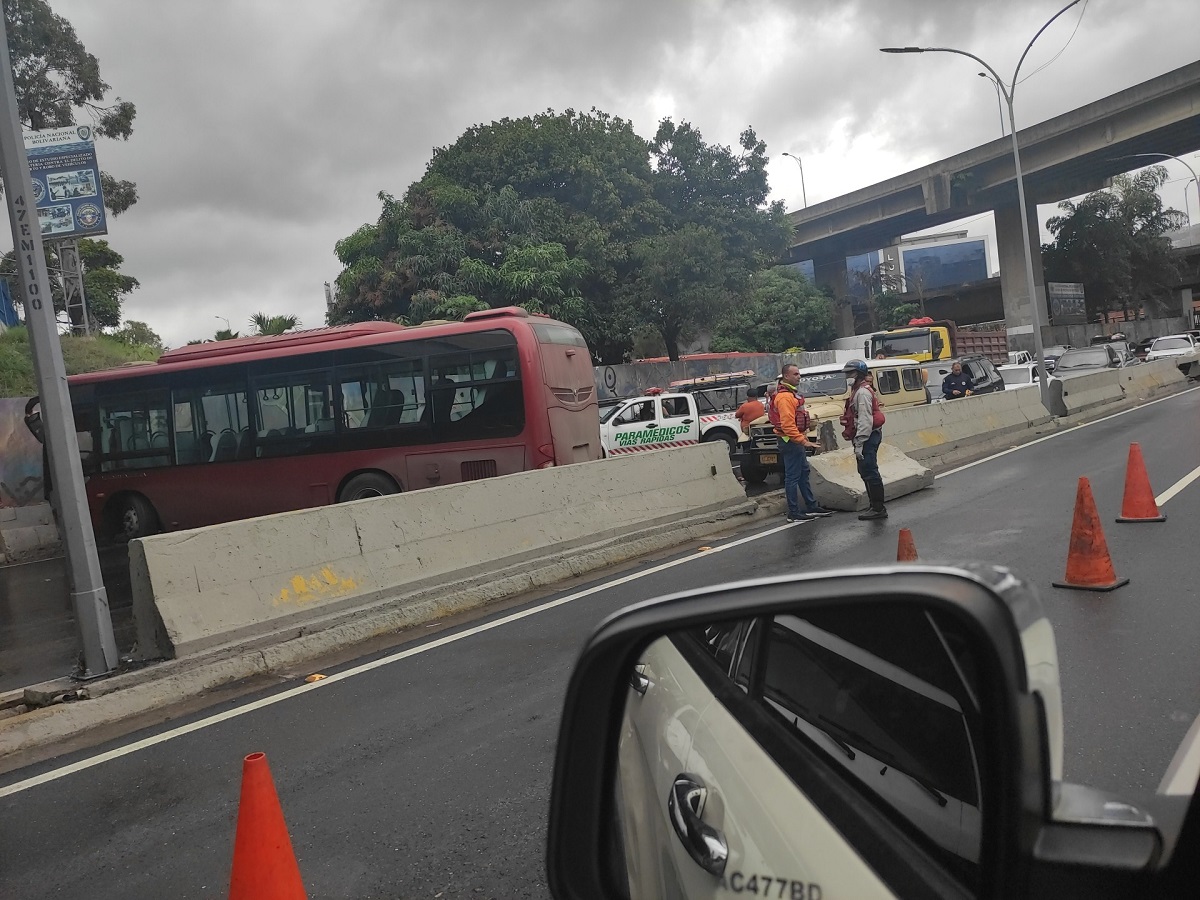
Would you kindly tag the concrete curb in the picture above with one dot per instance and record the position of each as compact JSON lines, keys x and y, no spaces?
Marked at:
{"x":134,"y":693}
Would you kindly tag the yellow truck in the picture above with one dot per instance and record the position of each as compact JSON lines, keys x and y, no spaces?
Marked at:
{"x":926,"y":340}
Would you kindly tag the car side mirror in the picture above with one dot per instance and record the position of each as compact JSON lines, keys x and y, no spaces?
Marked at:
{"x":890,"y":731}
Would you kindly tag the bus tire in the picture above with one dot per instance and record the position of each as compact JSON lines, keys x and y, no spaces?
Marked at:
{"x":720,"y":434}
{"x":132,"y":516}
{"x":365,"y":485}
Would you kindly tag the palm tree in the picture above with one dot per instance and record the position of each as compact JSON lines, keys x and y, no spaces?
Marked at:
{"x":273,"y":324}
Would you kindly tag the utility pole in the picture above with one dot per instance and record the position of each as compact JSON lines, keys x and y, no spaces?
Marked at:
{"x":88,"y":595}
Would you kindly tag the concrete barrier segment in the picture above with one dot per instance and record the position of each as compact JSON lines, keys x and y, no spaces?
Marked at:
{"x":836,"y":483}
{"x":209,"y":587}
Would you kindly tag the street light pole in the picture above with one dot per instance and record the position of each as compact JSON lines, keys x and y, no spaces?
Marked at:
{"x":1009,"y":93}
{"x":88,"y":595}
{"x":999,"y":105}
{"x":803,"y":191}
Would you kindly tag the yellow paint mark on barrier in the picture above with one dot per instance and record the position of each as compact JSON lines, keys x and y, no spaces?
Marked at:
{"x":322,"y":585}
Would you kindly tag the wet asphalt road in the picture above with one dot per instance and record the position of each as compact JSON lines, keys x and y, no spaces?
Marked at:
{"x":429,"y":776}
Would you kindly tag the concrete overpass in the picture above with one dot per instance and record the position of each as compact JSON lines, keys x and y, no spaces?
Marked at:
{"x":1063,"y":157}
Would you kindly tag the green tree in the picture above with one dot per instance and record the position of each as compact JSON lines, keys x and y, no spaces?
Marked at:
{"x":561,"y":213}
{"x":266,"y":325}
{"x":1114,"y":243}
{"x":782,"y":309}
{"x":138,"y":334}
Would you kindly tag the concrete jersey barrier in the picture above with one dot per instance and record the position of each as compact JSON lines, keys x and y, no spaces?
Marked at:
{"x":208,"y":587}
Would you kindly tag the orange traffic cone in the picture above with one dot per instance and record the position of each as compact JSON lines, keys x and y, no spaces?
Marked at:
{"x":906,"y":550}
{"x":1138,"y":505}
{"x":1089,"y":567}
{"x":264,"y":866}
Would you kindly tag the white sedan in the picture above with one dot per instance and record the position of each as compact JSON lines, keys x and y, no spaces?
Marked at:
{"x":1171,"y":345}
{"x":1018,"y":376}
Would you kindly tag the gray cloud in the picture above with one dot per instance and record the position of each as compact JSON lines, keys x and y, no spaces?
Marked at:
{"x":266,"y":129}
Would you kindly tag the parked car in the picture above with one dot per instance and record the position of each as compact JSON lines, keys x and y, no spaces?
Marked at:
{"x":1142,"y":347}
{"x":1171,"y":345}
{"x":985,"y":377}
{"x":1022,"y":375}
{"x":1090,"y":359}
{"x":1052,"y":353}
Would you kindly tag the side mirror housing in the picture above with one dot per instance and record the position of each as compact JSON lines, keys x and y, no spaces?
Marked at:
{"x":888,"y":731}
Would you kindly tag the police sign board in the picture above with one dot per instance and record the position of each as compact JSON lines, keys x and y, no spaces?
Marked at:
{"x":66,"y":182}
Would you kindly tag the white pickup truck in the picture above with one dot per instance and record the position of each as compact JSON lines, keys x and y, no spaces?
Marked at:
{"x":659,"y":421}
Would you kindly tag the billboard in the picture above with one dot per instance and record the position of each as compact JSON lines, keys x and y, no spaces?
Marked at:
{"x":1066,"y":303}
{"x":948,"y":265}
{"x":66,"y":182}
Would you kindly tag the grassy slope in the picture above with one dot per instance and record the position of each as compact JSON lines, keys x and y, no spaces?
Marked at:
{"x":80,"y":354}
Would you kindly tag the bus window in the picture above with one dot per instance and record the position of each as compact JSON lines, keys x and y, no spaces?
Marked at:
{"x":383,"y":396}
{"x":292,"y":408}
{"x":212,"y":424}
{"x":133,"y":431}
{"x":477,"y":394}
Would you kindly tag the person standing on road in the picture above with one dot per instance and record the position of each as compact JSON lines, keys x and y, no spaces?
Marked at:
{"x":863,"y":421}
{"x":791,"y":421}
{"x":957,"y":384}
{"x":749,"y":411}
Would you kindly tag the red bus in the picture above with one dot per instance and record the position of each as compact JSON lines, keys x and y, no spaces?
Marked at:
{"x":252,"y":426}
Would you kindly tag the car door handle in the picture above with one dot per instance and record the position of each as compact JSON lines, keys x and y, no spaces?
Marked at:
{"x":638,"y":680}
{"x":704,"y":844}
{"x":687,"y":421}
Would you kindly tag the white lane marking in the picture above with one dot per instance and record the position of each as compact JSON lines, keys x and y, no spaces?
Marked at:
{"x":1177,"y":486}
{"x":980,"y":462}
{"x":116,"y":753}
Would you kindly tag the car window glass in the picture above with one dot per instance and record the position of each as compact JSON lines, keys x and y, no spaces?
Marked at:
{"x":911,"y":378}
{"x":636,"y":412}
{"x":891,"y":701}
{"x":887,"y":381}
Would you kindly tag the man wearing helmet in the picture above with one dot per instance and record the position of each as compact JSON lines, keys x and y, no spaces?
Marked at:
{"x":863,"y":425}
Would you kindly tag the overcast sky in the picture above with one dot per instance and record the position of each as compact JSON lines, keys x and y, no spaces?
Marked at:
{"x":265,"y":130}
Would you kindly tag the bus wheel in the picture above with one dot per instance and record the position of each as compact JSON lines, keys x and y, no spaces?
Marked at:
{"x":729,"y":439}
{"x":367,"y":484}
{"x":133,"y":516}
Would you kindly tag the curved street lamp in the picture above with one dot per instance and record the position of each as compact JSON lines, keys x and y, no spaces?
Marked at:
{"x":1194,"y":178}
{"x":803,"y":191}
{"x":1008,"y":93}
{"x":999,"y":104}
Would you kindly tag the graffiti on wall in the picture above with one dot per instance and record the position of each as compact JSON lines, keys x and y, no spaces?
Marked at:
{"x":20,"y":457}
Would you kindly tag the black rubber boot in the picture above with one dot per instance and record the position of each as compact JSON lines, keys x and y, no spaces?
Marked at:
{"x":877,"y":510}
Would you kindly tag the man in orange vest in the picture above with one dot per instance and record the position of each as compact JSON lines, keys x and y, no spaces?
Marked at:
{"x":790,"y":419}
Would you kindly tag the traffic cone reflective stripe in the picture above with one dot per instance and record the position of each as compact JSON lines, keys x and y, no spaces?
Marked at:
{"x":906,"y":549}
{"x":264,"y":866}
{"x":1138,"y":504}
{"x":1089,"y":566}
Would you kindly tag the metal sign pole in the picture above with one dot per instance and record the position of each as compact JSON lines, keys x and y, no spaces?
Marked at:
{"x":88,"y":596}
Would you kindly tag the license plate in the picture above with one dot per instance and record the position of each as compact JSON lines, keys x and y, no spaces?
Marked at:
{"x":769,"y":459}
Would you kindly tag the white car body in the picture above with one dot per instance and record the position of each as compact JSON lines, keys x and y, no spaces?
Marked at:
{"x":832,"y":692}
{"x":1021,"y":375}
{"x":661,"y":422}
{"x":1171,"y":345}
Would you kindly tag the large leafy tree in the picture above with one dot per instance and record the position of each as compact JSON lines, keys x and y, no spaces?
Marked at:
{"x":56,"y":82}
{"x":574,"y":215}
{"x":782,"y":310}
{"x":1114,"y":243}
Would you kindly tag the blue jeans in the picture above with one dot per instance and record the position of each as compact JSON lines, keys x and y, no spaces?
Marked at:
{"x":868,"y":466}
{"x":795,"y":478}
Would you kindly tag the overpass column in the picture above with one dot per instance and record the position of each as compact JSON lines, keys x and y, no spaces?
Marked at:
{"x":1018,"y":316}
{"x":830,"y":272}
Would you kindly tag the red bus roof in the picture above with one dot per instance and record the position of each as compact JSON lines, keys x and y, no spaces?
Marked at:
{"x":294,"y":343}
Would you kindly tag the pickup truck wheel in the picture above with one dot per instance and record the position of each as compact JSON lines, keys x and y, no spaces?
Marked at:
{"x":722,"y":435}
{"x":753,"y":473}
